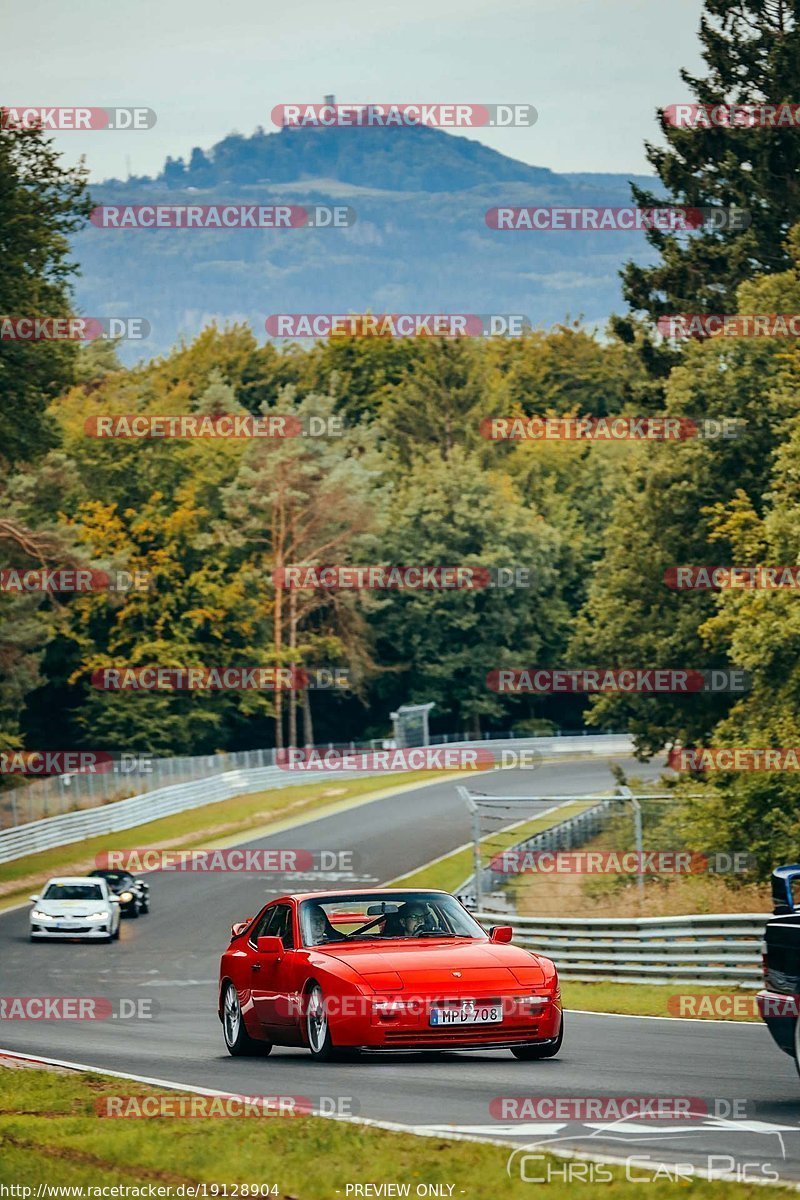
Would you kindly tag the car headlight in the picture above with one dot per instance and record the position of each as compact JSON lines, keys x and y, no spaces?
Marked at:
{"x":98,"y":916}
{"x":38,"y":915}
{"x":125,"y":897}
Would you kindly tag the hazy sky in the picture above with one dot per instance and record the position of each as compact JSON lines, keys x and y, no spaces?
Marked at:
{"x":595,"y":69}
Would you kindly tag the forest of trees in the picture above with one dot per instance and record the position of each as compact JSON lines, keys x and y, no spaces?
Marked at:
{"x":411,"y":479}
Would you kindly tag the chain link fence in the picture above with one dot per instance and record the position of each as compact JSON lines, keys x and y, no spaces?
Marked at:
{"x":133,"y":774}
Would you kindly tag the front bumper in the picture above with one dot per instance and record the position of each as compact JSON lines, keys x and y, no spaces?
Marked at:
{"x":412,"y":1030}
{"x":92,"y":932}
{"x":779,"y":1012}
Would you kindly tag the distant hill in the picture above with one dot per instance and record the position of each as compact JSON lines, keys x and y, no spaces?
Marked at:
{"x":420,"y":243}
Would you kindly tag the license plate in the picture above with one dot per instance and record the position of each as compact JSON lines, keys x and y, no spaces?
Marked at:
{"x":66,"y":924}
{"x":469,"y":1012}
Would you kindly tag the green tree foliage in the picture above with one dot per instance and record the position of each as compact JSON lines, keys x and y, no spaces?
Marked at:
{"x":752,"y":55}
{"x":444,"y":643}
{"x":664,"y":516}
{"x":41,"y":204}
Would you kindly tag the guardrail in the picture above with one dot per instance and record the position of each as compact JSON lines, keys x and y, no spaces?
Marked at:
{"x":561,"y":835}
{"x":138,"y":810}
{"x":133,"y":774}
{"x":72,"y":827}
{"x":722,"y":949}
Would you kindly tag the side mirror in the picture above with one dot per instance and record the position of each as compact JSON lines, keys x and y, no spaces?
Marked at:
{"x":270,"y":947}
{"x":240,"y":927}
{"x":33,"y":899}
{"x":114,"y":899}
{"x":501,"y":933}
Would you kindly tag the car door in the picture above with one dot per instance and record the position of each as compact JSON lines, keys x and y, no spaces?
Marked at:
{"x":114,"y":915}
{"x":272,"y":979}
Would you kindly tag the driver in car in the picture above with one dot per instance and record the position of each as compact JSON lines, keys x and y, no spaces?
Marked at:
{"x":320,"y":927}
{"x":409,"y":920}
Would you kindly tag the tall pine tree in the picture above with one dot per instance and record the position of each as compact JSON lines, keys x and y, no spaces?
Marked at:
{"x":752,"y":52}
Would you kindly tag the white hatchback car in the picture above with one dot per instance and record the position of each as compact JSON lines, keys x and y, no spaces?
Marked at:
{"x":72,"y":906}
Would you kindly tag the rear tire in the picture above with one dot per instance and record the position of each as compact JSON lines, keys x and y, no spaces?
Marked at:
{"x":538,"y":1050}
{"x":237,"y":1039}
{"x":133,"y":911}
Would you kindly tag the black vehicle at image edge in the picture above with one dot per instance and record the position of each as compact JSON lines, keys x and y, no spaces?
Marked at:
{"x":779,"y":1001}
{"x":133,"y":893}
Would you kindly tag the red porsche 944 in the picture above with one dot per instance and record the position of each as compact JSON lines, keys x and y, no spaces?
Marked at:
{"x":384,"y":969}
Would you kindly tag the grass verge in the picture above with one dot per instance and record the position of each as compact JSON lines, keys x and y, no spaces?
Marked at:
{"x":451,"y":871}
{"x":50,"y":1134}
{"x":662,"y":1000}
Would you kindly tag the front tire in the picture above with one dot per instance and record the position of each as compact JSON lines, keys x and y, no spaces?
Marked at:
{"x":237,"y":1039}
{"x":537,"y":1050}
{"x":318,"y":1030}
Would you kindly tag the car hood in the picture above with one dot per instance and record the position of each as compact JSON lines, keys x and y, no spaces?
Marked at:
{"x":391,"y":965}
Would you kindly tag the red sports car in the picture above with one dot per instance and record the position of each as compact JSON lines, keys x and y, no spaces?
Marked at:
{"x":383,"y":969}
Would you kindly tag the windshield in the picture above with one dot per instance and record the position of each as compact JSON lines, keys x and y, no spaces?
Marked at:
{"x":397,"y":915}
{"x":73,"y":891}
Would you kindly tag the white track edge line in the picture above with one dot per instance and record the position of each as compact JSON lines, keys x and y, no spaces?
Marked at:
{"x":391,"y":1126}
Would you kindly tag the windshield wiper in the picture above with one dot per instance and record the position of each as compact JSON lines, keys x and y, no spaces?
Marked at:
{"x":440,"y":934}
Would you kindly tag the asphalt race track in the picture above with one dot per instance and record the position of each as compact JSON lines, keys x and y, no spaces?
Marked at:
{"x":171,"y":958}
